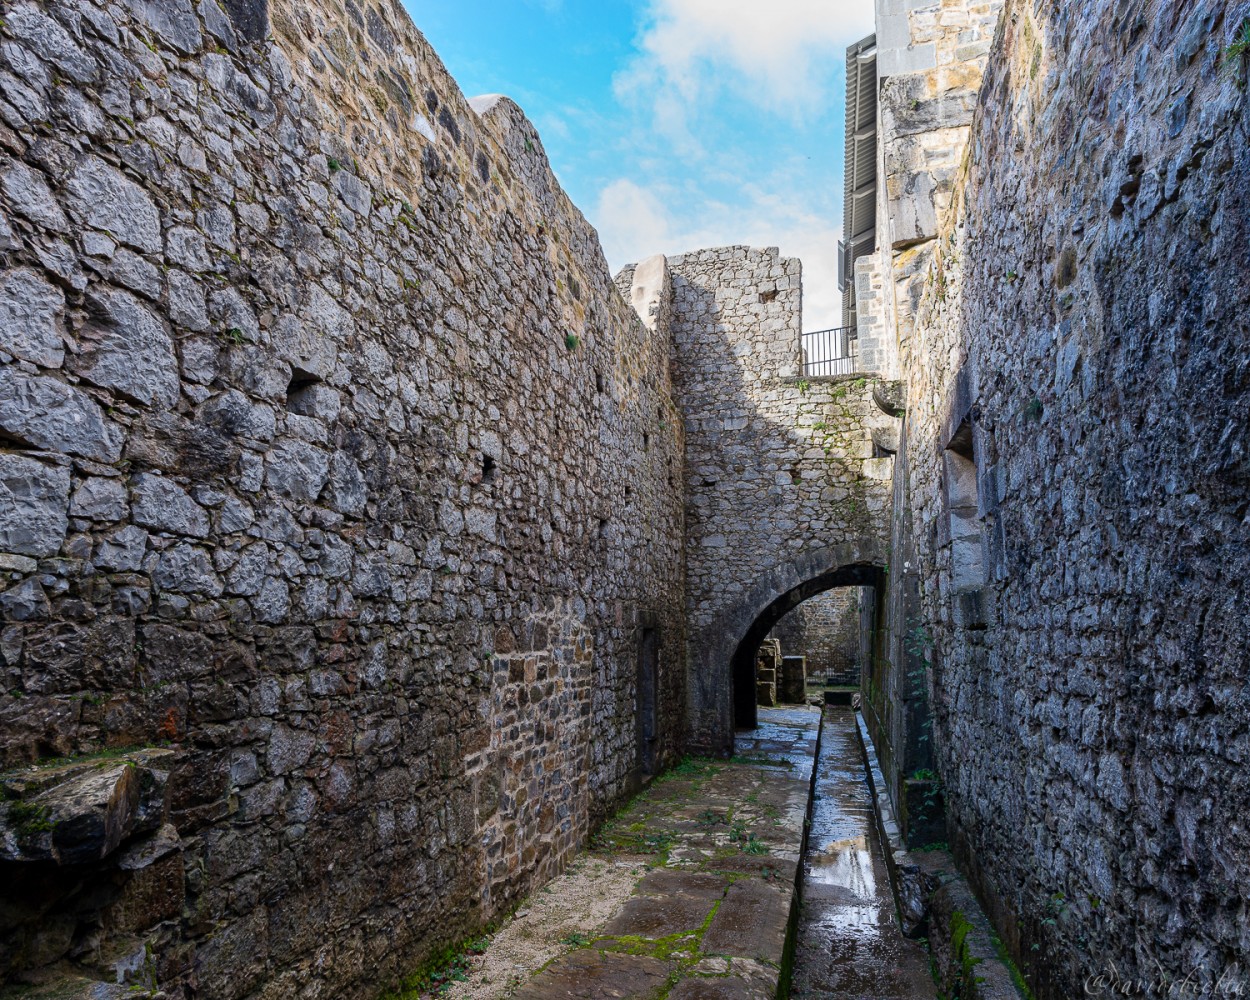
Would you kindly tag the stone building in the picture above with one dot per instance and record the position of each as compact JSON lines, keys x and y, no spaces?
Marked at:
{"x":1060,"y":286}
{"x":365,"y":543}
{"x":337,"y":479}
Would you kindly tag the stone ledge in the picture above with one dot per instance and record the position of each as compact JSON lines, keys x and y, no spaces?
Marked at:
{"x":81,"y":811}
{"x":933,"y":897}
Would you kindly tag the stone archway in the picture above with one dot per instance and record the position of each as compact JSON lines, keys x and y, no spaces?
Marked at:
{"x":727,"y":646}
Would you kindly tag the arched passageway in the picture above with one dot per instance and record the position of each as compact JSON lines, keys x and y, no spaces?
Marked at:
{"x":727,"y":645}
{"x":743,"y":661}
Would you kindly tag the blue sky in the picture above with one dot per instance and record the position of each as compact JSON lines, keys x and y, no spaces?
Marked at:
{"x":677,"y":124}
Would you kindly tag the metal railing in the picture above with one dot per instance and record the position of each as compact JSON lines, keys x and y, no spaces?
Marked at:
{"x":830,"y":352}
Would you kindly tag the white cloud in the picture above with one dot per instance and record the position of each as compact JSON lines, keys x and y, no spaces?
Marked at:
{"x":632,"y":223}
{"x":732,"y":108}
{"x":636,"y":221}
{"x":776,"y":53}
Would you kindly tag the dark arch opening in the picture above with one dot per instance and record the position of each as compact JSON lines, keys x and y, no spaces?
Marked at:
{"x":743,"y":662}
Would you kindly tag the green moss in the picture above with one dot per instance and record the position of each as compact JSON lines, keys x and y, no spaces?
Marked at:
{"x":111,"y":753}
{"x":28,"y":819}
{"x":960,"y":929}
{"x":1017,"y":976}
{"x":436,"y":974}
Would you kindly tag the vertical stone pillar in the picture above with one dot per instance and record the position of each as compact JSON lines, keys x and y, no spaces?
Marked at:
{"x":768,"y":660}
{"x":793,"y":687}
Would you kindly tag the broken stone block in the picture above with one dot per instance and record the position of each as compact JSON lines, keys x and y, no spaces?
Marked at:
{"x":82,"y":812}
{"x":82,"y":820}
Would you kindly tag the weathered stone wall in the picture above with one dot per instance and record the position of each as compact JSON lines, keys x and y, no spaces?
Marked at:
{"x":778,"y":469}
{"x":930,"y":57}
{"x":322,"y":464}
{"x":1085,"y":319}
{"x":825,"y":629}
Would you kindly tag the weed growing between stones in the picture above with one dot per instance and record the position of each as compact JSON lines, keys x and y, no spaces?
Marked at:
{"x":748,"y":842}
{"x":753,"y":845}
{"x":632,"y":840}
{"x":1236,"y":53}
{"x":436,"y":976}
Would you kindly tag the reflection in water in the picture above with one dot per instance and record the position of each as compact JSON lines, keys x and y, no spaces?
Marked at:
{"x":846,"y":863}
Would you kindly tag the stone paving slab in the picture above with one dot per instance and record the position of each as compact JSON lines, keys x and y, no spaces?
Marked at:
{"x":752,"y":921}
{"x":661,"y":916}
{"x":593,"y":974}
{"x":717,"y":844}
{"x":747,"y":981}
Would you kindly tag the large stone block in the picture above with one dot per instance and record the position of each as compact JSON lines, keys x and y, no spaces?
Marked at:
{"x":126,"y":348}
{"x":101,"y":196}
{"x":31,"y":311}
{"x":80,"y":813}
{"x":34,"y":504}
{"x":48,"y":414}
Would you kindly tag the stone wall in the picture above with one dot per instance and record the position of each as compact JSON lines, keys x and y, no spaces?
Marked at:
{"x":930,"y":57}
{"x":780,"y":470}
{"x":825,"y":629}
{"x":1077,"y":477}
{"x":331,"y":461}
